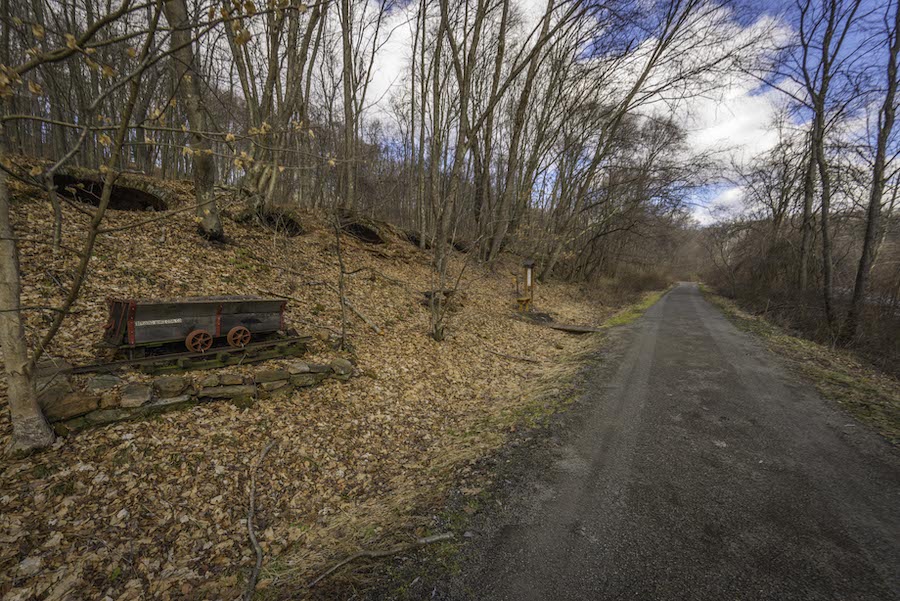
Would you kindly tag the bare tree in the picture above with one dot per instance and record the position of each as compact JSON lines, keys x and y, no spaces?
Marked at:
{"x":188,"y":82}
{"x":886,"y":118}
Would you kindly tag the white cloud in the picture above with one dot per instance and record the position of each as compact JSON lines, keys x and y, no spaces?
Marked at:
{"x":726,"y":203}
{"x":738,"y":126}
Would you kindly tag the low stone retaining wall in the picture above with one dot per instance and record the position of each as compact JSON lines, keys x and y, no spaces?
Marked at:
{"x":109,"y":398}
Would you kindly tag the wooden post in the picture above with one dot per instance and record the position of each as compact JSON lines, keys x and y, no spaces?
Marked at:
{"x":526,"y":300}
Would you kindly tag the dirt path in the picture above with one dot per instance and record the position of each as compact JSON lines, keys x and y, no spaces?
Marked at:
{"x":700,"y":470}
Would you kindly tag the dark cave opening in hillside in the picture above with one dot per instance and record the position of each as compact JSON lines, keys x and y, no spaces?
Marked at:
{"x":122,"y":198}
{"x":282,"y":222}
{"x":362,"y":232}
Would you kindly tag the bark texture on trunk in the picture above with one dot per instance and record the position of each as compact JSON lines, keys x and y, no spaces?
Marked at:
{"x":30,"y":428}
{"x":806,"y":223}
{"x":204,"y":167}
{"x":349,"y":167}
{"x":876,"y":193}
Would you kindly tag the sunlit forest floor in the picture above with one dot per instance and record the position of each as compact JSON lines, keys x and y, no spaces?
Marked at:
{"x":157,"y":508}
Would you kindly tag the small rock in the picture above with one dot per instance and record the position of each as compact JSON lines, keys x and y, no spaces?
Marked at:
{"x":468,"y":534}
{"x":272,"y":386}
{"x":135,"y":395}
{"x":209,"y":381}
{"x":170,"y":386}
{"x":298,"y":367}
{"x":271,"y":375}
{"x":341,"y":367}
{"x":103,"y":382}
{"x":232,"y":379}
{"x":320,"y":369}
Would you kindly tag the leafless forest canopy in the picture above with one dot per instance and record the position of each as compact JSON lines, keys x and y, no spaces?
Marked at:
{"x":555,"y":130}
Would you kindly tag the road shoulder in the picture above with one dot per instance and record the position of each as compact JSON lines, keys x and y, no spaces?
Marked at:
{"x":870,"y":396}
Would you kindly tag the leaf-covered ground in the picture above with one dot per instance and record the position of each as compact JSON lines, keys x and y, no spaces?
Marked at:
{"x":157,"y":509}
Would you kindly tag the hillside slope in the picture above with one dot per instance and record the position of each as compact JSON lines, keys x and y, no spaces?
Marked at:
{"x":157,"y":508}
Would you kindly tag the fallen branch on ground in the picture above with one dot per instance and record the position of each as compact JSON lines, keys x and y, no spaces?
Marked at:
{"x":368,"y":321}
{"x":251,"y":584}
{"x":420,"y":542}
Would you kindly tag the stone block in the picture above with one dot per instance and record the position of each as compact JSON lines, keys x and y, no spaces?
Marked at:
{"x":298,"y":367}
{"x":272,"y":386}
{"x":103,"y":382}
{"x":342,"y":368}
{"x":271,"y":375}
{"x":108,"y":399}
{"x":302,"y":380}
{"x":72,"y":405}
{"x":47,"y":371}
{"x":135,"y":395}
{"x":51,"y":392}
{"x":169,"y":403}
{"x":106,"y":416}
{"x":232,"y":379}
{"x":208,"y":381}
{"x":228,"y":392}
{"x":170,"y":386}
{"x":72,"y":425}
{"x":319,"y":369}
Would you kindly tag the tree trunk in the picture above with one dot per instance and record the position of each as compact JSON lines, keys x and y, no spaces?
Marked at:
{"x":509,"y":189}
{"x":187,"y":75}
{"x":423,"y":221}
{"x":806,"y":225}
{"x":873,"y":217}
{"x":827,"y":263}
{"x":30,"y":429}
{"x":349,"y":170}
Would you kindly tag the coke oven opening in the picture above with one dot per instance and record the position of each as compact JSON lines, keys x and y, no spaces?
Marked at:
{"x":123,"y":198}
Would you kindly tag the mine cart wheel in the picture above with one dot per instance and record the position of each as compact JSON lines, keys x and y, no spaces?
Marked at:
{"x":198,"y":341}
{"x":238,"y":337}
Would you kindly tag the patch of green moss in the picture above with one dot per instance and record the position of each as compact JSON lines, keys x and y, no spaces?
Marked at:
{"x":633,"y":311}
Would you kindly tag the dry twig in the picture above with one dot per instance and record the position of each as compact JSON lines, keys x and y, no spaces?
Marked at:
{"x":359,"y":314}
{"x":251,"y":583}
{"x":419,"y":542}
